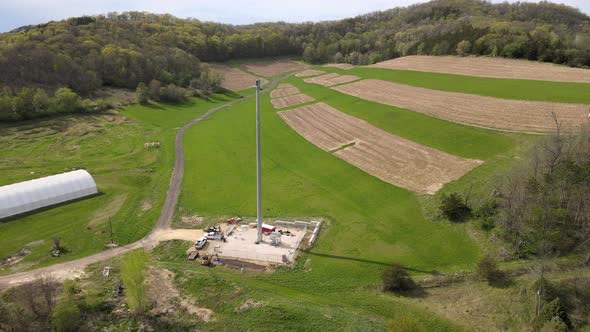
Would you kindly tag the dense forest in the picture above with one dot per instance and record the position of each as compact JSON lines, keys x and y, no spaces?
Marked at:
{"x":125,"y":49}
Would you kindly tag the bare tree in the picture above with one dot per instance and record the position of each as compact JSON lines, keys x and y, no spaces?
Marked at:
{"x":38,"y":296}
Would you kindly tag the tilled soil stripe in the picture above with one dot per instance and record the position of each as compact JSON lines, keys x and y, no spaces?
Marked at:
{"x":481,"y":111}
{"x":388,"y":157}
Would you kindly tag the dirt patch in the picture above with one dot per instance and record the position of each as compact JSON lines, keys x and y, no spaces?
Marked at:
{"x":235,"y":79}
{"x":488,"y":112}
{"x":390,"y":158}
{"x":310,"y":72}
{"x":166,"y":297}
{"x":488,"y":67}
{"x":177,"y":234}
{"x":288,"y":91}
{"x":242,"y":264}
{"x":345,"y":66}
{"x":249,"y":304}
{"x":291,"y":100}
{"x":192,"y":220}
{"x":16,"y":258}
{"x":146,"y":206}
{"x":273,"y":68}
{"x":331,"y":79}
{"x":151,"y":145}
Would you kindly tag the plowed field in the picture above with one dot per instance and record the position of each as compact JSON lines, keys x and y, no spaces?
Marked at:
{"x":488,"y":112}
{"x":390,"y":158}
{"x":489,"y":67}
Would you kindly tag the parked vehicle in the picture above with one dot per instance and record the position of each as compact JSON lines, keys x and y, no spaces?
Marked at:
{"x":214,"y":236}
{"x":200,"y":243}
{"x":234,"y":220}
{"x":209,"y":229}
{"x":205,"y":261}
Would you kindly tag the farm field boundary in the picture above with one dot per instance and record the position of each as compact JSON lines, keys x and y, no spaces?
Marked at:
{"x":390,"y":158}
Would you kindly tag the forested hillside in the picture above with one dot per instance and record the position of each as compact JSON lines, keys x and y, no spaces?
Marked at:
{"x":125,"y":49}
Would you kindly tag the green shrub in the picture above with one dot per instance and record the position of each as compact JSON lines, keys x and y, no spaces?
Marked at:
{"x":488,"y":270}
{"x":172,"y":93}
{"x":547,"y":289}
{"x":154,"y":90}
{"x":65,"y":101}
{"x":142,"y":93}
{"x":454,"y":208}
{"x":487,"y":223}
{"x":133,"y":276}
{"x":553,"y":316}
{"x":94,"y":301}
{"x":396,"y":279}
{"x":66,"y":315}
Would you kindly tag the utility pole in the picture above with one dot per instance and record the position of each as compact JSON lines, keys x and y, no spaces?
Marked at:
{"x":258,"y":167}
{"x":111,"y":229}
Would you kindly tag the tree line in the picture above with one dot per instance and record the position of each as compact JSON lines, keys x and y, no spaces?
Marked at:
{"x":541,"y":207}
{"x":125,"y":49}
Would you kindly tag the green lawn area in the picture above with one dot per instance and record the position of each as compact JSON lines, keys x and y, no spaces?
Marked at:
{"x":132,"y":180}
{"x":277,"y":304}
{"x":302,"y":180}
{"x":493,"y":87}
{"x":369,"y":223}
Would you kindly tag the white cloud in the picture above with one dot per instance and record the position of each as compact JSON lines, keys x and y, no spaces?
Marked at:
{"x":15,"y":13}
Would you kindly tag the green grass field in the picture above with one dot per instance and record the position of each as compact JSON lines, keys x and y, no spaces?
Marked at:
{"x":369,"y":223}
{"x":132,"y":180}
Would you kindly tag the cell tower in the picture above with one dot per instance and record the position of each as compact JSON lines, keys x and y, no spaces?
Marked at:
{"x":258,"y":167}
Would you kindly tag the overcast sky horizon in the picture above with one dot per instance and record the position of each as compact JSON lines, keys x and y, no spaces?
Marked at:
{"x":14,"y":14}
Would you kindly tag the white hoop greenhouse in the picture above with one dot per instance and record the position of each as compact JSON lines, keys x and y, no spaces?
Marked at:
{"x":30,"y":195}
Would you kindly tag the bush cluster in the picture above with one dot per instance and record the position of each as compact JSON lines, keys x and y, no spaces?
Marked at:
{"x":396,"y":279}
{"x":29,"y":103}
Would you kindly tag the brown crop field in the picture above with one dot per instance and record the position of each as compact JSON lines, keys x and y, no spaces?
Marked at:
{"x":487,"y":112}
{"x":390,"y":158}
{"x":345,"y":66}
{"x":331,"y":79}
{"x":310,"y":72}
{"x":488,"y":67}
{"x":284,"y":91}
{"x":291,"y":100}
{"x":273,"y":68}
{"x":234,"y":79}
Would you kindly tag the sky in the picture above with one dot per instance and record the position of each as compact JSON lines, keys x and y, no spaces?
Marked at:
{"x":16,"y":13}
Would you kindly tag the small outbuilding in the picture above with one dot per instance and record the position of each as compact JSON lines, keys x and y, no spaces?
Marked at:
{"x":31,"y":195}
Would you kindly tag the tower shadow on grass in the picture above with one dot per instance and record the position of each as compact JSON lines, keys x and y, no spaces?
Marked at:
{"x":362,"y":260}
{"x":414,"y":290}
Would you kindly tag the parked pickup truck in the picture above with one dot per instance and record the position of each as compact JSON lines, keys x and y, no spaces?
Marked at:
{"x":214,"y":235}
{"x":200,"y":243}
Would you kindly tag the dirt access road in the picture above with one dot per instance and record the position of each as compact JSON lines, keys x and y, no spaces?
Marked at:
{"x":160,"y":232}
